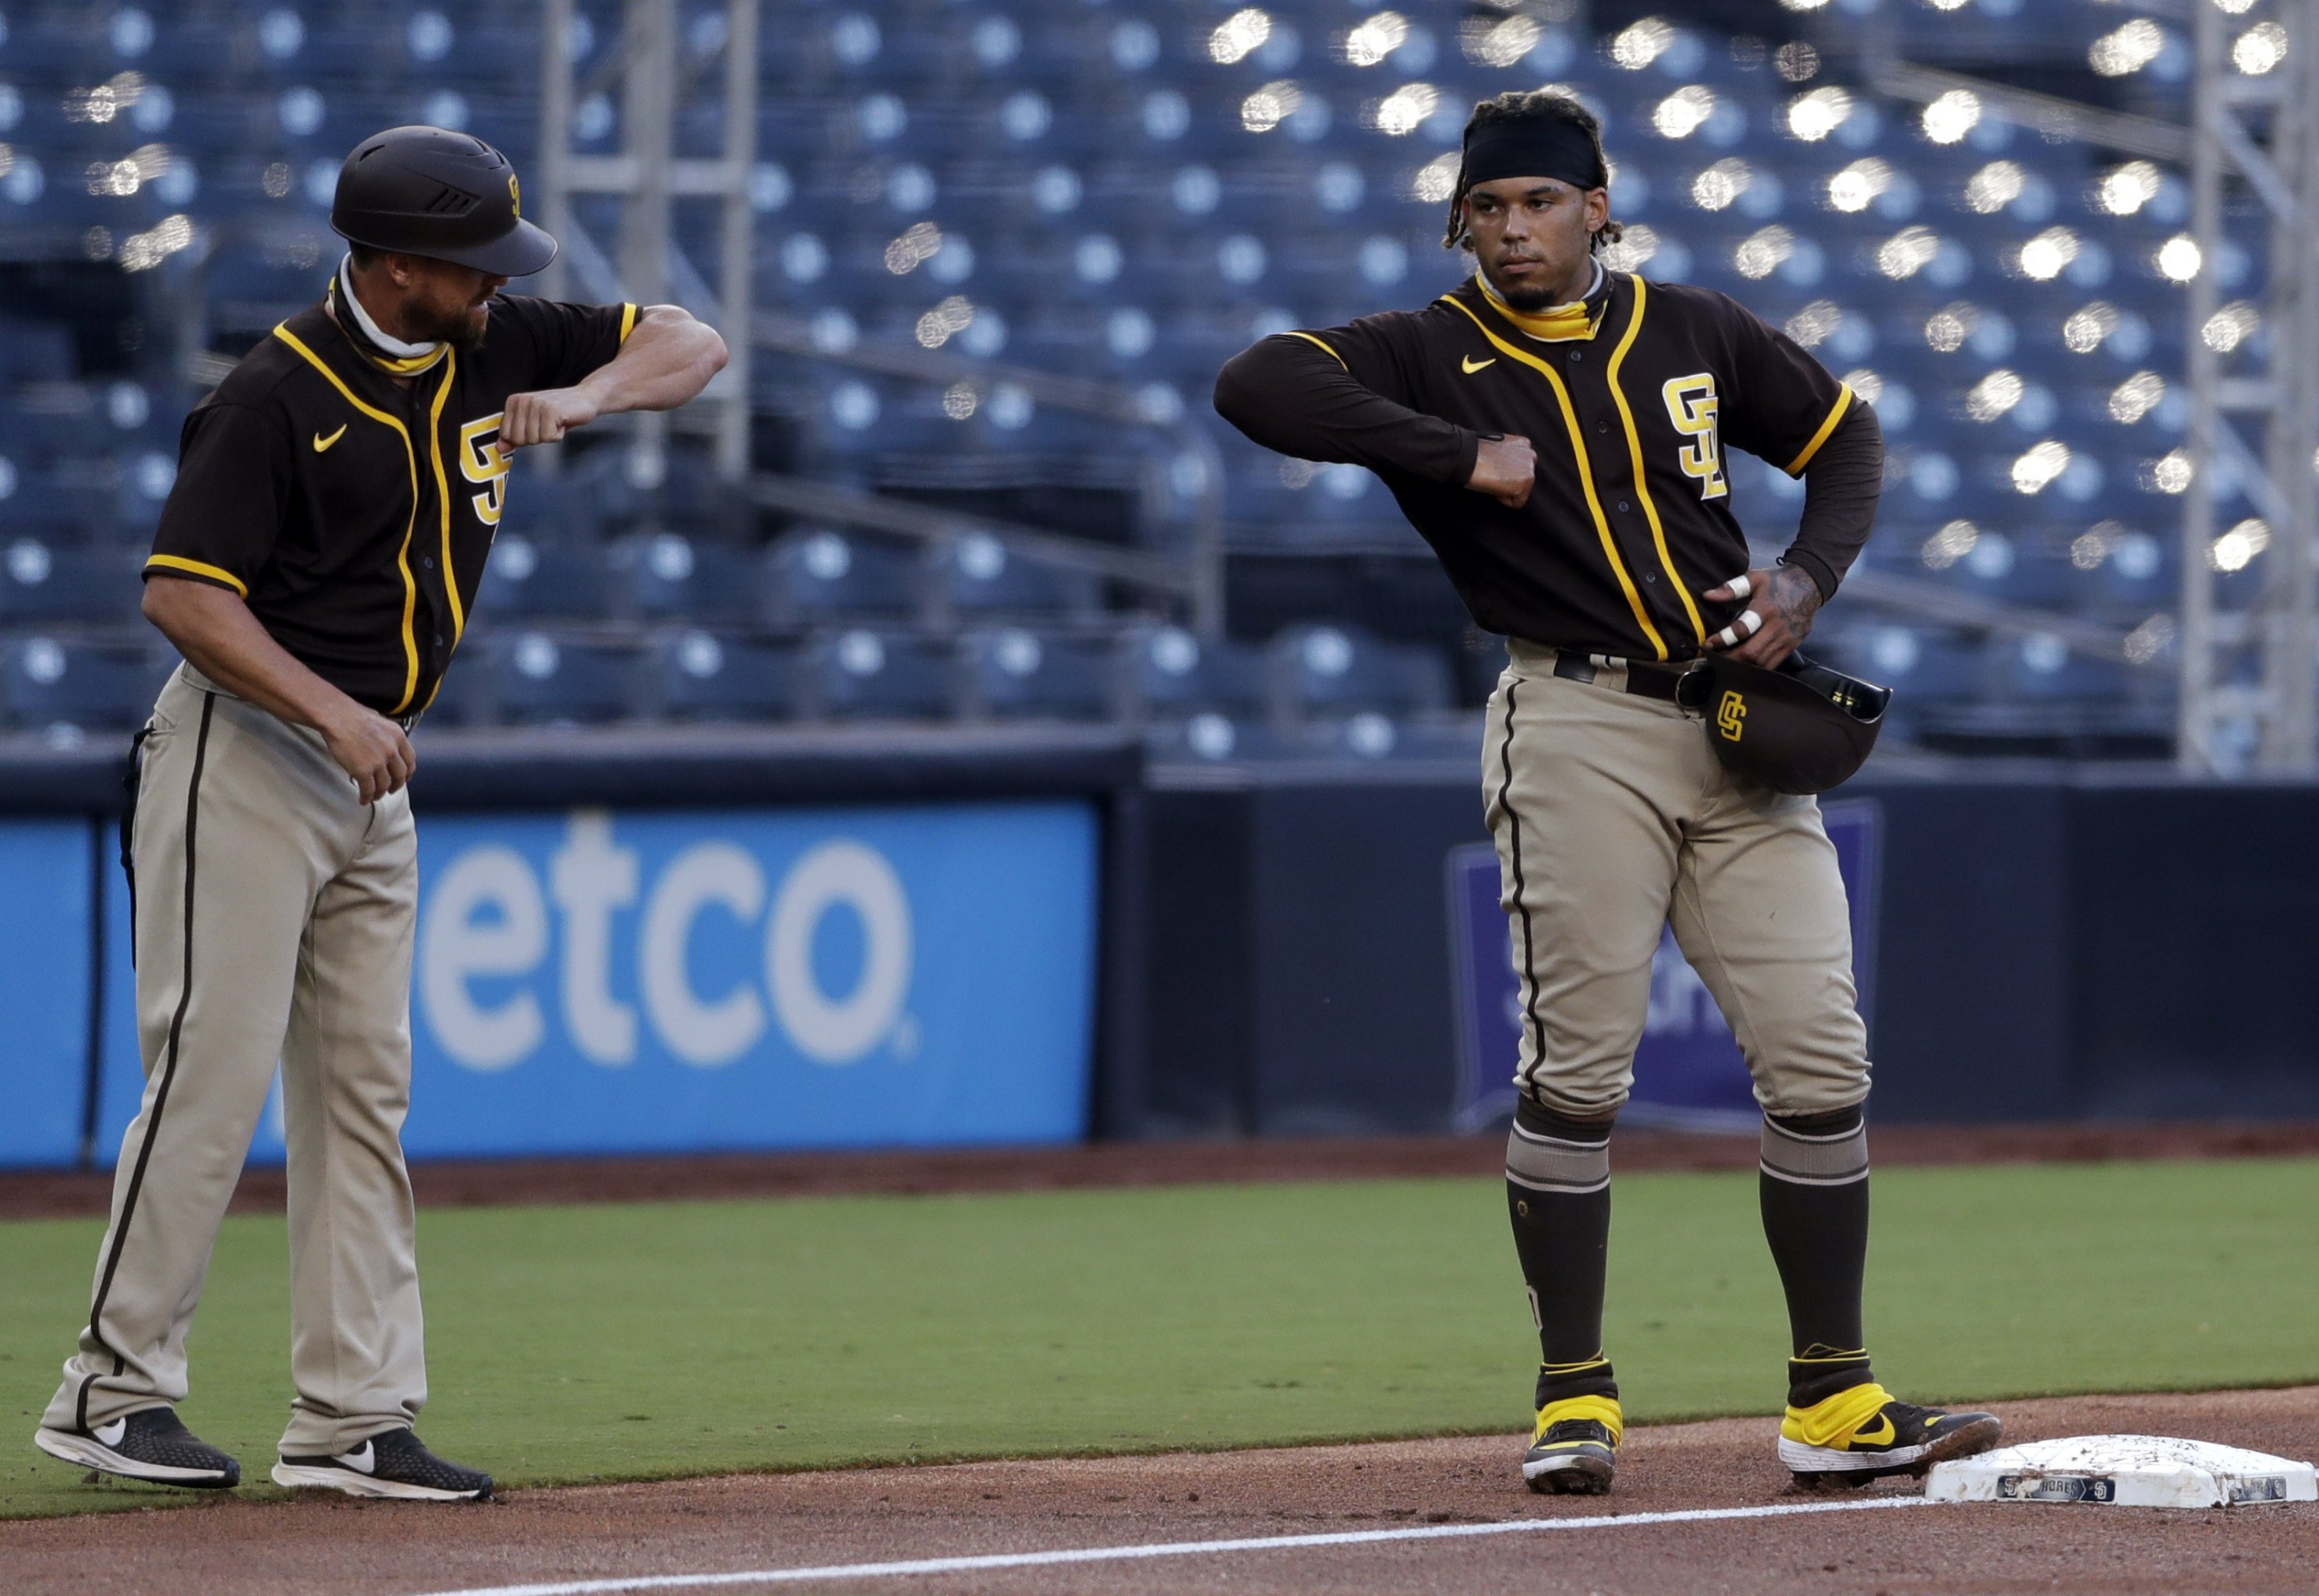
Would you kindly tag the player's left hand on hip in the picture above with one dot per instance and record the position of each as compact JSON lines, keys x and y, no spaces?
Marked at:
{"x":543,"y":416}
{"x":1776,"y":615}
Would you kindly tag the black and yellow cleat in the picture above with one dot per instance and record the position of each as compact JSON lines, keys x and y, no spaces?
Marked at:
{"x":1574,"y":1449}
{"x":1867,"y":1433}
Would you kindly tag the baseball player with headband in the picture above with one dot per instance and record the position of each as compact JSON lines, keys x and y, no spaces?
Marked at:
{"x":316,"y":563}
{"x":1556,"y":431}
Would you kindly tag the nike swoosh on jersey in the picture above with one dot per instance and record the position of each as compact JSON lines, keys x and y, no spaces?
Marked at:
{"x":1471,"y":365}
{"x":322,"y":444}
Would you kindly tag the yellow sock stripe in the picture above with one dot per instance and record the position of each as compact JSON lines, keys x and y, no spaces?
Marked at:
{"x":198,"y":568}
{"x":1820,"y":1353}
{"x":1586,"y":475}
{"x":1603,"y":1410}
{"x":1642,"y":478}
{"x":402,"y":559}
{"x":1835,"y":413}
{"x":1596,"y":1362}
{"x":1831,"y":1422}
{"x":443,"y":494}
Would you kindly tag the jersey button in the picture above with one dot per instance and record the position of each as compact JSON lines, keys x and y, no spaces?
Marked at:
{"x":1574,"y":358}
{"x":1624,"y":505}
{"x":429,"y":562}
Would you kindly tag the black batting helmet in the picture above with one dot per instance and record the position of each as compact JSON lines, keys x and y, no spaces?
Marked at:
{"x":1801,"y":729}
{"x":446,"y":195}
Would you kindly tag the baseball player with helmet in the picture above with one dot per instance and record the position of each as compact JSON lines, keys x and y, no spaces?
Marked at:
{"x":316,"y":564}
{"x":1556,"y":431}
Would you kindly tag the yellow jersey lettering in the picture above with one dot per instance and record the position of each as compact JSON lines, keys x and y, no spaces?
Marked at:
{"x":1692,"y":405}
{"x":481,"y":461}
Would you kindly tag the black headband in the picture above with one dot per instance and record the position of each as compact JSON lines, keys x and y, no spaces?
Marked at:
{"x":1533,"y":147}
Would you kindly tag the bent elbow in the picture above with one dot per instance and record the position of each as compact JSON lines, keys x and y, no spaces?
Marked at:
{"x":1234,"y":395}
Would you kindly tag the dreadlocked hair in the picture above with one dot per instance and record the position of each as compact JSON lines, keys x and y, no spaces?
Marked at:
{"x":1531,"y":105}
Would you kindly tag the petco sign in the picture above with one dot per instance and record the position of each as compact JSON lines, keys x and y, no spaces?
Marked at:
{"x":489,"y":916}
{"x":604,"y":982}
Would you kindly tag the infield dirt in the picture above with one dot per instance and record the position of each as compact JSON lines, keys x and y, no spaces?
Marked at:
{"x":850,"y":1517}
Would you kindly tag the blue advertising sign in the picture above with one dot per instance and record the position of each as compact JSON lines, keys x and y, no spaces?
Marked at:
{"x":44,"y":867}
{"x":1688,"y":1072}
{"x":601,"y":982}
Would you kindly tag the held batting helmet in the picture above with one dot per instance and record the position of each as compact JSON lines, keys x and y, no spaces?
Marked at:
{"x":1801,"y":729}
{"x":446,"y":195}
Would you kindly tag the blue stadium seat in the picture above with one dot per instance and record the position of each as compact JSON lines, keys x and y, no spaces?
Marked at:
{"x":817,"y":576}
{"x":51,"y":683}
{"x":668,"y":576}
{"x":40,"y":583}
{"x":976,"y":575}
{"x":1332,"y":671}
{"x":561,"y":579}
{"x":861,"y":674}
{"x":712,"y":676}
{"x":1014,"y":674}
{"x":543,"y":678}
{"x":1169,"y":674}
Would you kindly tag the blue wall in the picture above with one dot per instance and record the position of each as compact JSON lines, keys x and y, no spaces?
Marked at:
{"x":642,"y":981}
{"x":44,"y":976}
{"x":2054,"y":948}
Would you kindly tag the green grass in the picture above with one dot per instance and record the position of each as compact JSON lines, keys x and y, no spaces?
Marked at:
{"x":579,"y":1343}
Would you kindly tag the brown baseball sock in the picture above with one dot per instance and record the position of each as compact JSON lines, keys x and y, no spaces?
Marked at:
{"x":1558,"y":1197}
{"x":1814,"y":1191}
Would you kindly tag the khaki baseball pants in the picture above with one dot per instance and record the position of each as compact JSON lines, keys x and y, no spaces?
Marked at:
{"x":1614,"y":818}
{"x":274,"y":922}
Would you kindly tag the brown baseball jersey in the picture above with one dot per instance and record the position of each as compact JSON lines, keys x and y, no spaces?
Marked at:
{"x":352,"y":513}
{"x":1631,"y":515}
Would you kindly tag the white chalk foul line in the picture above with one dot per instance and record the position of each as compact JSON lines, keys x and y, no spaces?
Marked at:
{"x":1179,"y":1548}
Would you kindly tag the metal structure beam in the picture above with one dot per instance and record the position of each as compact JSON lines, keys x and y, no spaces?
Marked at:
{"x":655,"y":72}
{"x":2249,"y":636}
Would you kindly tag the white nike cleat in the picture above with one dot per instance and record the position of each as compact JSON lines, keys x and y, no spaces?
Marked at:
{"x":394,"y":1465}
{"x":151,"y":1444}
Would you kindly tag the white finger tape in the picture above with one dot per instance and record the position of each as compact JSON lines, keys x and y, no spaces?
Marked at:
{"x":1741,"y":585}
{"x":1751,"y":621}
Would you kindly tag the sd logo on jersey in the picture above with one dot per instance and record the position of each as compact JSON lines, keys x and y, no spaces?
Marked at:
{"x":481,"y":461}
{"x":1731,"y":717}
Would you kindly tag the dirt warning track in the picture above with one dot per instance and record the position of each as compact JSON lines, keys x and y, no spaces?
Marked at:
{"x":1690,"y":1514}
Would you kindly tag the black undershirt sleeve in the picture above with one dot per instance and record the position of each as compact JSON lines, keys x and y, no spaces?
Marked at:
{"x":1841,"y":487}
{"x":1297,"y":394}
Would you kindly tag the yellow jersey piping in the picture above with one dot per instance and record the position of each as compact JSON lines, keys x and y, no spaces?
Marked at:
{"x":1332,"y":354}
{"x":627,"y":321}
{"x":197,"y":568}
{"x":1835,"y":413}
{"x":1642,"y":481}
{"x":443,"y":494}
{"x":1585,"y":473}
{"x":402,"y":559}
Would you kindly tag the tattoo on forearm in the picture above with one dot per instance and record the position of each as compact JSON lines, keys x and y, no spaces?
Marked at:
{"x":1796,"y":597}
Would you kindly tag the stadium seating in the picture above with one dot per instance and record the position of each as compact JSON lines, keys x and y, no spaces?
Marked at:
{"x":1131,"y":194}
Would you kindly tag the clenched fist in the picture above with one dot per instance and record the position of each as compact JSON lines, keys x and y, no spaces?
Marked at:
{"x":1504,"y":468}
{"x":543,"y":416}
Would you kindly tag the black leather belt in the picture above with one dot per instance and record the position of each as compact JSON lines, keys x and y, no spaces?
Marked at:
{"x":1649,"y":681}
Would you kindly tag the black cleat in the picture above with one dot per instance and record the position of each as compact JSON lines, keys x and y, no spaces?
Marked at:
{"x":1574,"y":1449}
{"x":151,"y":1444}
{"x":1850,"y":1439}
{"x":395,"y":1463}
